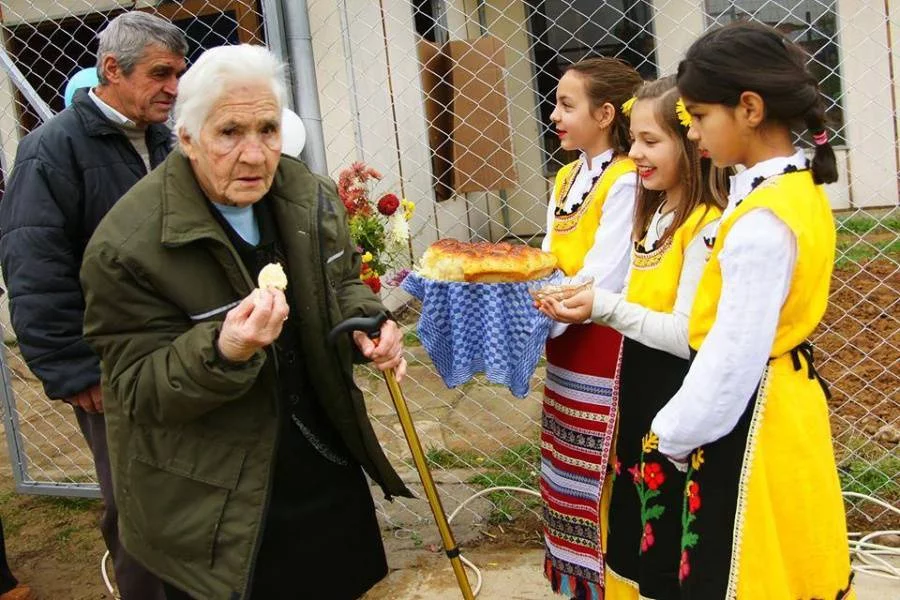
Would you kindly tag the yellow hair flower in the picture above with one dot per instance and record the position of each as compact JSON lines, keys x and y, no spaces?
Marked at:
{"x":409,"y":208}
{"x":627,"y":106}
{"x":684,"y":117}
{"x":367,"y":257}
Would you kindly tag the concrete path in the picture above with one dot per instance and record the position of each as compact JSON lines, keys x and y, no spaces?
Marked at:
{"x":514,"y":574}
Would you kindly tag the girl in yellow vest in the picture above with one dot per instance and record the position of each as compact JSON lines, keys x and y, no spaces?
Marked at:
{"x":678,"y":206}
{"x":588,"y":229}
{"x":763,"y":515}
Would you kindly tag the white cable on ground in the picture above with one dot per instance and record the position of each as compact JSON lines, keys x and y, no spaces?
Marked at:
{"x":109,"y":585}
{"x":501,"y":488}
{"x":868,"y":553}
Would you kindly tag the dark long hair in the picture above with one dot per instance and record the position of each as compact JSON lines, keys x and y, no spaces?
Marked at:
{"x":614,"y":81}
{"x":703,"y":184}
{"x":749,"y":57}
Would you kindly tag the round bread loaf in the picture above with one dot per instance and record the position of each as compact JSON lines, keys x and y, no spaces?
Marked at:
{"x":484,"y":262}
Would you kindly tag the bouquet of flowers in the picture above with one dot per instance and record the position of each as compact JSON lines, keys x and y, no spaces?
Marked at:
{"x":379,"y":227}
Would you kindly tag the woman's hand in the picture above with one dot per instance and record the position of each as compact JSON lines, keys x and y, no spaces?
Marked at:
{"x":253,"y":324}
{"x":576,"y":309}
{"x":386,"y":351}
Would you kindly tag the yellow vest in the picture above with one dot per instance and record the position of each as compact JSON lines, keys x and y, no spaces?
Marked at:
{"x":573,"y":235}
{"x":654,"y":277}
{"x":803,"y":207}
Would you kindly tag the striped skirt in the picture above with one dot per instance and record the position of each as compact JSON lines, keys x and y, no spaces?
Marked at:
{"x":578,"y":423}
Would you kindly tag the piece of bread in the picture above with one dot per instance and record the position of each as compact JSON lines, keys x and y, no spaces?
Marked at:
{"x":560,"y":292}
{"x":272,"y":275}
{"x":484,"y":262}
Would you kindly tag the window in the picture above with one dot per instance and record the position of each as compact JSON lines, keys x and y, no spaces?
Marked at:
{"x":812,"y":24}
{"x":563,"y":32}
{"x":430,"y":18}
{"x":49,"y":52}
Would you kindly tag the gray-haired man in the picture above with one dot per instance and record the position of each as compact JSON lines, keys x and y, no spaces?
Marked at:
{"x":68,"y":173}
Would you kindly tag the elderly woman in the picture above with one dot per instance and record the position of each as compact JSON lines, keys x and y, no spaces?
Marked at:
{"x":237,"y":436}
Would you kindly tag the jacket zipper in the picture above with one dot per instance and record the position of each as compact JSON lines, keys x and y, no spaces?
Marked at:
{"x":271,"y":475}
{"x":319,"y":247}
{"x":270,"y":478}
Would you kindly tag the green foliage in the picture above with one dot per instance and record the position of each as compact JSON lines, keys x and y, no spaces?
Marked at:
{"x":851,"y":252}
{"x":446,"y":459}
{"x":880,"y":476}
{"x":525,"y":458}
{"x":689,"y":540}
{"x":368,"y":232}
{"x":507,"y":505}
{"x":514,"y":467}
{"x":654,"y":512}
{"x":864,"y":225}
{"x":411,"y":338}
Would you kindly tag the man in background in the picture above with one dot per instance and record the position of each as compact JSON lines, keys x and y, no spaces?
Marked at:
{"x":68,"y":173}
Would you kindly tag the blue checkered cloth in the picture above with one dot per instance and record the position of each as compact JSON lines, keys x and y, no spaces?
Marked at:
{"x":470,"y":328}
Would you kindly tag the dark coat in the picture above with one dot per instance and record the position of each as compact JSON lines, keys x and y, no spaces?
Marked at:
{"x":192,"y":439}
{"x":68,"y":173}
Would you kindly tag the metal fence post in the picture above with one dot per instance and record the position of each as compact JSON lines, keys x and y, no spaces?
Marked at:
{"x":306,"y":94}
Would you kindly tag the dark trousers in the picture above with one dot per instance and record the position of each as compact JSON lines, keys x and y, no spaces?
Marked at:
{"x":135,"y":582}
{"x":7,"y":581}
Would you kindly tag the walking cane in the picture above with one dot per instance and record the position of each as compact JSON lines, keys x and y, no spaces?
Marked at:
{"x":372,"y":327}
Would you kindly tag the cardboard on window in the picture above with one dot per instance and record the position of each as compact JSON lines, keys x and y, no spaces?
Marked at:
{"x":481,"y":138}
{"x":437,"y":98}
{"x":468,"y":116}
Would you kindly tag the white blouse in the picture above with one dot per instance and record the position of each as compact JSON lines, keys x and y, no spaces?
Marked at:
{"x":607,"y":260}
{"x":757,"y":264}
{"x":663,"y":331}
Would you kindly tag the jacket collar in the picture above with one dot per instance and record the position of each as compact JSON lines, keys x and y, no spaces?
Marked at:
{"x":97,"y":124}
{"x":185,"y":214}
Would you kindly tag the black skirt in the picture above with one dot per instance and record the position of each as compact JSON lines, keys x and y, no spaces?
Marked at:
{"x":644,"y":539}
{"x":321,"y":536}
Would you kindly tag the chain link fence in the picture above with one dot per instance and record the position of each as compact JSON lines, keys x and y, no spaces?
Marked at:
{"x":450,"y":100}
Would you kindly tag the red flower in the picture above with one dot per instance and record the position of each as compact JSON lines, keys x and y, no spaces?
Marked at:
{"x":693,"y":494}
{"x":653,"y":475}
{"x":374,"y":283}
{"x":684,"y":569}
{"x":635,"y":474}
{"x":647,"y":539}
{"x":388,"y":204}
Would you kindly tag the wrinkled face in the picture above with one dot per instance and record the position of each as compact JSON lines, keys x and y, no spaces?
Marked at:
{"x":654,"y":149}
{"x":239,"y":145}
{"x":146,"y":95}
{"x":573,"y":116}
{"x":717,"y":132}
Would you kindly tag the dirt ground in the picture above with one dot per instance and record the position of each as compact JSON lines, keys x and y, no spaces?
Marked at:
{"x":858,"y":352}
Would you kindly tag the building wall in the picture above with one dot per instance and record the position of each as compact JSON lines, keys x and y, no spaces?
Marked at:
{"x":372,"y":104}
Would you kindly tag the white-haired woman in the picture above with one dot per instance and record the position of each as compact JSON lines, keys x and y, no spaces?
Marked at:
{"x":238,"y":438}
